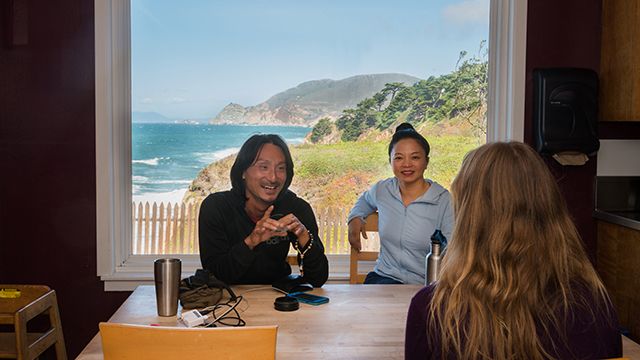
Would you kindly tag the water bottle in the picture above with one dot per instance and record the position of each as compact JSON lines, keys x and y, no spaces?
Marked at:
{"x":432,"y":262}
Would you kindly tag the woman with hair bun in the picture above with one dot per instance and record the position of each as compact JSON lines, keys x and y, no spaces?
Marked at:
{"x":410,"y":209}
{"x":516,"y":282}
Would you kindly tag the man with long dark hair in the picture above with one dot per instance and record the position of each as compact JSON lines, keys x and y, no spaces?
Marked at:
{"x":245,"y":232}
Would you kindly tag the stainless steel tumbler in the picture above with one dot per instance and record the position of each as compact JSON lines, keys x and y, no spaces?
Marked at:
{"x":167,"y":274}
{"x":432,"y":264}
{"x":433,"y":259}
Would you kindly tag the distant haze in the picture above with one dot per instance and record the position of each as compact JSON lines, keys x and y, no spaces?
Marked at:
{"x":149,"y":117}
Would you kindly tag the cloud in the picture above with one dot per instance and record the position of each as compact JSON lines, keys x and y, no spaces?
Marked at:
{"x":147,"y":101}
{"x":467,"y":11}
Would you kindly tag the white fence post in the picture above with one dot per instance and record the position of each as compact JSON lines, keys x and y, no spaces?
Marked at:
{"x":173,"y":228}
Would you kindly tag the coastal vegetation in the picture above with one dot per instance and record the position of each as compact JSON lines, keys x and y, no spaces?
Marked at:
{"x":334,"y":175}
{"x":342,"y":157}
{"x":459,"y":94}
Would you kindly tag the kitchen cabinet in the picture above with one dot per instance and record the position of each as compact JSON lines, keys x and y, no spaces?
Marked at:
{"x":618,"y":259}
{"x":619,"y":66}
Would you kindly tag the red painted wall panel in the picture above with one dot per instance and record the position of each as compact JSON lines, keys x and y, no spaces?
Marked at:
{"x":47,"y":162}
{"x":565,"y":34}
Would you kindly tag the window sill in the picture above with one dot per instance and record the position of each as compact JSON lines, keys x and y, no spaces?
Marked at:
{"x":138,"y":271}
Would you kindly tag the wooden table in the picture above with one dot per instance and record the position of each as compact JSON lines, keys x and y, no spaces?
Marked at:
{"x":359,"y":322}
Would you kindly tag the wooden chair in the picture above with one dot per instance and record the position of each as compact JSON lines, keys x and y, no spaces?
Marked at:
{"x":33,"y":300}
{"x":292,"y":259}
{"x":140,"y":342}
{"x":371,"y":225}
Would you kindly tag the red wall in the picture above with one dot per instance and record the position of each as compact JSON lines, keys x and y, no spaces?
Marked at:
{"x":565,"y":34}
{"x":47,"y":164}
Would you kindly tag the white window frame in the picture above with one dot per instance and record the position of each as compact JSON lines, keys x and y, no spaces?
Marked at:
{"x":116,"y":264}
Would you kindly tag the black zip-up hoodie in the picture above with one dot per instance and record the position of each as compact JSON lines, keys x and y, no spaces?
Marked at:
{"x":223,"y":224}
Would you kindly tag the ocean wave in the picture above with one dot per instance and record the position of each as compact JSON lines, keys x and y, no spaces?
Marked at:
{"x":217,"y":155}
{"x":152,"y":162}
{"x":298,"y":140}
{"x":145,"y":180}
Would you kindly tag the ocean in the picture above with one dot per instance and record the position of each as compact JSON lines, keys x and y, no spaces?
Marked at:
{"x":167,"y":157}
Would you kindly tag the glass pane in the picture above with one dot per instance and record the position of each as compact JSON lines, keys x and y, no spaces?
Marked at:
{"x":333,"y":78}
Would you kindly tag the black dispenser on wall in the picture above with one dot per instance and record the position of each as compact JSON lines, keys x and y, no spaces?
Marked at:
{"x":565,"y":113}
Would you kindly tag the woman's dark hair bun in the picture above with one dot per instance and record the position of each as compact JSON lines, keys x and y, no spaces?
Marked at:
{"x":405,"y":126}
{"x":406,"y":130}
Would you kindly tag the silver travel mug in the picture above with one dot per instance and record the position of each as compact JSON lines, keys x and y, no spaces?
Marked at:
{"x":433,"y":259}
{"x":432,"y":267}
{"x":167,"y":274}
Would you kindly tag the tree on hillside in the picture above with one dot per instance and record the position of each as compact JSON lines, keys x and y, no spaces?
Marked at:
{"x":380,"y":98}
{"x":350,"y":124}
{"x":470,"y":96}
{"x":459,"y":94}
{"x":428,"y":95}
{"x":321,"y":129}
{"x":392,"y":88}
{"x":400,"y":103}
{"x":367,"y":111}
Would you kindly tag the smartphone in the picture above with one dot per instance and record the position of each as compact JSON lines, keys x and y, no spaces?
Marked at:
{"x":309,"y":298}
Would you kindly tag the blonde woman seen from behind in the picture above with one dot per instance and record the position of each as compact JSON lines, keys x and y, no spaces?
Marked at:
{"x":516,"y":282}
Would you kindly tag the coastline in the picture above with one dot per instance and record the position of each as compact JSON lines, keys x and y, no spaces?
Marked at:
{"x":172,"y":197}
{"x":261,"y":124}
{"x":163,"y":171}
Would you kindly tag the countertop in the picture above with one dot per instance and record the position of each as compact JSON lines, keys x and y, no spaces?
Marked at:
{"x":630,"y":219}
{"x":618,"y":200}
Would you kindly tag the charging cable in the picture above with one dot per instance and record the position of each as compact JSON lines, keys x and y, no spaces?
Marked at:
{"x":193,"y":318}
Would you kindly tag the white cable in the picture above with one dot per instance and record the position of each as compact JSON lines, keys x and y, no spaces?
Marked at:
{"x":258,"y":289}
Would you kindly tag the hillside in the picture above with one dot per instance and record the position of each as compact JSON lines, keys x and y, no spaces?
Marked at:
{"x":310,"y":101}
{"x":333,"y":175}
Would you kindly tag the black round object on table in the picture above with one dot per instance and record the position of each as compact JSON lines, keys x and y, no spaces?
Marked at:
{"x":285,"y":303}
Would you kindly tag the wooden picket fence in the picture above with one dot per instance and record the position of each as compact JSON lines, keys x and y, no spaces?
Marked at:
{"x":173,"y":228}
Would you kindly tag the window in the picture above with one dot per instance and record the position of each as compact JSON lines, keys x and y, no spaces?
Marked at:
{"x":117,"y":265}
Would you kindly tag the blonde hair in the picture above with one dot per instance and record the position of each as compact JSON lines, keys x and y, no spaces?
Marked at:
{"x":515,"y":259}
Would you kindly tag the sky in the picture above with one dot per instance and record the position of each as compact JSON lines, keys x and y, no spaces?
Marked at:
{"x":191,"y":58}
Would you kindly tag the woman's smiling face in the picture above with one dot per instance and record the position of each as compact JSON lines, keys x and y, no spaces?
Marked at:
{"x":265,"y":178}
{"x":408,"y":161}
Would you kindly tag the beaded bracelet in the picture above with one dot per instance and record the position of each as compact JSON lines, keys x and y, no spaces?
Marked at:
{"x":296,"y":246}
